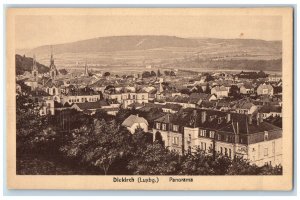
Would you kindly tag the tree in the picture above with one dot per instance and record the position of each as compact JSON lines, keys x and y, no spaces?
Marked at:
{"x":207,"y":90}
{"x":100,"y":145}
{"x":146,"y":74}
{"x":158,"y":138}
{"x":141,"y":139}
{"x":123,"y":114}
{"x":197,"y":163}
{"x":153,"y":73}
{"x":199,"y":89}
{"x":154,"y":160}
{"x":106,"y":74}
{"x":167,"y":73}
{"x":269,"y":170}
{"x":172,"y":73}
{"x":101,"y":114}
{"x":241,"y":166}
{"x":63,"y":71}
{"x":185,"y":91}
{"x":30,"y":126}
{"x":234,"y":91}
{"x":209,"y":78}
{"x":158,"y":73}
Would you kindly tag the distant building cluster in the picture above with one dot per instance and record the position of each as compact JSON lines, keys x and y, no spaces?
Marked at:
{"x":233,"y":114}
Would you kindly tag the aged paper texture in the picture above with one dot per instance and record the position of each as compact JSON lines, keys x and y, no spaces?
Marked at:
{"x":211,"y":87}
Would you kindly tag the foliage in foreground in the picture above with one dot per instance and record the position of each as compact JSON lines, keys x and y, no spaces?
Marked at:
{"x":101,"y":143}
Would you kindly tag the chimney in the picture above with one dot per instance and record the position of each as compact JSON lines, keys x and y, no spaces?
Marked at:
{"x":203,"y":116}
{"x":228,"y":118}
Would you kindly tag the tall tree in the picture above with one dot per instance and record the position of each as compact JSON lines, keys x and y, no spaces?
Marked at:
{"x":100,"y":145}
{"x":154,"y":160}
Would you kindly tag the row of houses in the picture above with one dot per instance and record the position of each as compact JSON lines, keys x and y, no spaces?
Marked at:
{"x":230,"y":134}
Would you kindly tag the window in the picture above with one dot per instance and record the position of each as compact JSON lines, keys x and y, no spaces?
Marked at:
{"x":202,"y":133}
{"x":226,"y":153}
{"x":176,"y":140}
{"x":219,"y":137}
{"x":190,"y":138}
{"x":266,"y":152}
{"x":221,"y":150}
{"x":230,"y":153}
{"x":226,"y":138}
{"x":266,"y":136}
{"x":157,"y":125}
{"x":211,"y":134}
{"x":164,"y":127}
{"x":219,"y":120}
{"x":143,"y":97}
{"x":175,"y":128}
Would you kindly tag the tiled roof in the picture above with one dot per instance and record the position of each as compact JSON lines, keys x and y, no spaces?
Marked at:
{"x":132,"y":119}
{"x":268,"y":109}
{"x":218,"y":88}
{"x":92,"y":105}
{"x":217,"y":120}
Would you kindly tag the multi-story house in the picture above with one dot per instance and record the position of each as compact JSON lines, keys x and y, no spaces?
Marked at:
{"x":170,"y":131}
{"x":219,"y":91}
{"x":274,"y":78}
{"x":235,"y":134}
{"x":264,"y":89}
{"x":231,"y":134}
{"x":128,"y":98}
{"x":247,"y":89}
{"x":244,"y":106}
{"x":77,"y":95}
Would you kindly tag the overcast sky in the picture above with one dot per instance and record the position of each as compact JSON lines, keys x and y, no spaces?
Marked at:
{"x":33,"y":31}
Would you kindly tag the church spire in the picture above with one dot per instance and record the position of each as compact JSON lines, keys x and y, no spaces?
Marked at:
{"x":53,"y":71}
{"x":34,"y":71}
{"x":34,"y":67}
{"x":51,"y":57}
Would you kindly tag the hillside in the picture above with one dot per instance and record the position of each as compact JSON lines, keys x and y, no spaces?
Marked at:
{"x":157,"y":50}
{"x":25,"y":64}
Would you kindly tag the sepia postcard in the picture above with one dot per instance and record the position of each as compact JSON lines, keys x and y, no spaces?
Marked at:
{"x":149,"y":98}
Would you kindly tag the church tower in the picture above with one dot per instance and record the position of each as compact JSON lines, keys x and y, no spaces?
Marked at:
{"x":52,"y":67}
{"x":34,"y":70}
